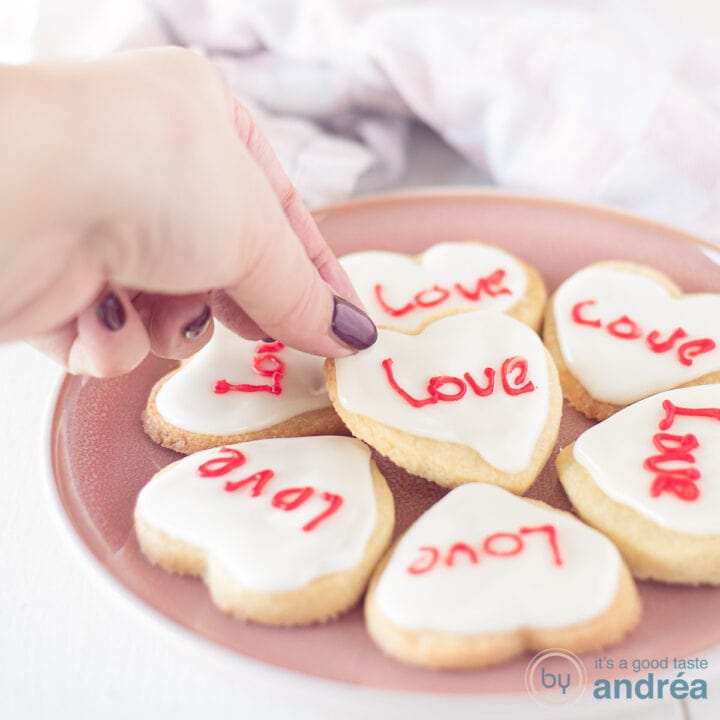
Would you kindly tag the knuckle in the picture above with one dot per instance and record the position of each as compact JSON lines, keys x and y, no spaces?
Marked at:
{"x":323,"y":258}
{"x":245,"y":126}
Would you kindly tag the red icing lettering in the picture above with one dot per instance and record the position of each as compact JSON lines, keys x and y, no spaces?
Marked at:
{"x":577,"y":316}
{"x":487,"y":285}
{"x":663,"y":346}
{"x":551,"y":533}
{"x":266,"y":364}
{"x":394,"y":312}
{"x":672,"y":411}
{"x":482,"y":391}
{"x":287,"y":499}
{"x":691,"y":349}
{"x":258,"y":481}
{"x":679,"y":482}
{"x":387,"y":365}
{"x":514,"y":382}
{"x":222,"y":465}
{"x":519,"y":366}
{"x":673,"y":448}
{"x":424,"y":564}
{"x":461,"y":547}
{"x":272,"y":347}
{"x":625,"y":328}
{"x":516,"y":541}
{"x":334,"y":503}
{"x":498,"y":545}
{"x":490,"y":285}
{"x":437,"y":382}
{"x":291,"y":498}
{"x":441,"y":295}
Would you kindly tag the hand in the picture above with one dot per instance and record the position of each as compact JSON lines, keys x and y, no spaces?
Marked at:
{"x":137,"y":193}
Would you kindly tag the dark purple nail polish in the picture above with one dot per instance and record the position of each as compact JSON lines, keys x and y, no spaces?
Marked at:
{"x":111,"y":313}
{"x":195,"y":328}
{"x":351,"y":325}
{"x":268,"y":340}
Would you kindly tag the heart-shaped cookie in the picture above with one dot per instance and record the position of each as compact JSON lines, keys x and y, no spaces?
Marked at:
{"x":484,"y":575}
{"x":283,"y":531}
{"x":406,"y":293}
{"x":472,"y":397}
{"x":234,"y":390}
{"x":620,"y":332}
{"x":649,"y":478}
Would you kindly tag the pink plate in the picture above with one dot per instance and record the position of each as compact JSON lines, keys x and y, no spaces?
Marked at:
{"x":101,"y":458}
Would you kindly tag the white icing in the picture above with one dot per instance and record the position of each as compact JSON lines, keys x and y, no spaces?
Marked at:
{"x":402,"y":277}
{"x":187,"y":400}
{"x":263,"y":547}
{"x":503,"y":429}
{"x":614,"y":451}
{"x":498,"y":594}
{"x":621,"y":371}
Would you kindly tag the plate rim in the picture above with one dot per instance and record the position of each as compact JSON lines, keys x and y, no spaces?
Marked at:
{"x":471,"y":192}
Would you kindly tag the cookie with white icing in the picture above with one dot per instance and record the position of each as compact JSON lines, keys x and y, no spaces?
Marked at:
{"x":472,"y":397}
{"x":483,"y":576}
{"x":236,"y":390}
{"x":283,"y":531}
{"x":649,"y":478}
{"x":406,"y":293}
{"x":620,"y":332}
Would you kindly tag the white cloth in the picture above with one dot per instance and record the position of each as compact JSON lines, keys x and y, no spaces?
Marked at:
{"x":588,"y":99}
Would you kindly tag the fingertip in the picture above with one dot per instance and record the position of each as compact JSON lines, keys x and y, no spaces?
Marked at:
{"x":352,"y":326}
{"x":345,"y":330}
{"x":198,"y":326}
{"x":179,"y":325}
{"x":111,"y":339}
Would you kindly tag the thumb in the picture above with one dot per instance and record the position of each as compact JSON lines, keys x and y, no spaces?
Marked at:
{"x":282,"y":290}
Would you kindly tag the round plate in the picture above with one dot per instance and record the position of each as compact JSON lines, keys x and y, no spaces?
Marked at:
{"x":101,"y":458}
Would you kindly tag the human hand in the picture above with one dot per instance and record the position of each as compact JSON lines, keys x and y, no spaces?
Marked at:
{"x":145,"y":194}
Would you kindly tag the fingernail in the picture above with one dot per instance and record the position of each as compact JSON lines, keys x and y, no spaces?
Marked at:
{"x":351,"y":325}
{"x":111,"y":313}
{"x":195,"y":328}
{"x":268,"y":340}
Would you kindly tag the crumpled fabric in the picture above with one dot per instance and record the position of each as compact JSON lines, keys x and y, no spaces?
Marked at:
{"x":594,"y":100}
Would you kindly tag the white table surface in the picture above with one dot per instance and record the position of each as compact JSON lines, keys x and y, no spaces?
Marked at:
{"x":72,"y":647}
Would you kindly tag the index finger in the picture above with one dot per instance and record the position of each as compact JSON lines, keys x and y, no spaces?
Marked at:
{"x":299,"y":217}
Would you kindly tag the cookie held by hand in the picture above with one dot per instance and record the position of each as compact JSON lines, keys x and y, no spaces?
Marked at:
{"x":283,"y":531}
{"x":406,"y":293}
{"x":472,"y":397}
{"x":483,"y":576}
{"x":619,"y":332}
{"x":649,"y":478}
{"x":235,"y":390}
